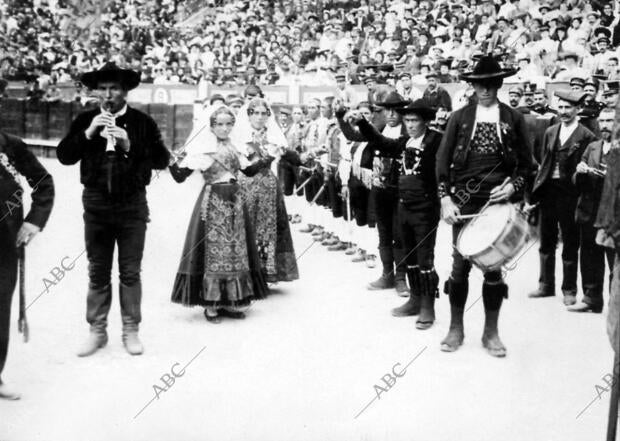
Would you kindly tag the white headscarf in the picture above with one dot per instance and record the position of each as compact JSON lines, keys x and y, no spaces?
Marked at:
{"x":201,"y":142}
{"x":242,"y":132}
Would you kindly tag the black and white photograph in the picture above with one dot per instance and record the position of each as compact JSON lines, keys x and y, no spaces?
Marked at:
{"x":294,"y":220}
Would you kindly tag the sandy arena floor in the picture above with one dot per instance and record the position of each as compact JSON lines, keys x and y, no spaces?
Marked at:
{"x":305,"y":361}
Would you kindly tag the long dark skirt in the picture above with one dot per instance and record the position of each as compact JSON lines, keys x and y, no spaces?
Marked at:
{"x":220,"y":266}
{"x":273,"y":235}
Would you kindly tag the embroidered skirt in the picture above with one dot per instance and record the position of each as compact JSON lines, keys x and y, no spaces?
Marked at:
{"x":273,"y":235}
{"x":220,"y":264}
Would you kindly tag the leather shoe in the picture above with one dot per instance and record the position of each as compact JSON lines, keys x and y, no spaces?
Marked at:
{"x":94,"y":342}
{"x":132,"y":343}
{"x":6,"y":393}
{"x":584,"y":307}
{"x":539,"y":293}
{"x":570,"y":299}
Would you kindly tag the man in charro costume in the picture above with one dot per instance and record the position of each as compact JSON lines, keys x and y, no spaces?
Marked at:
{"x":15,"y":230}
{"x":484,"y":157}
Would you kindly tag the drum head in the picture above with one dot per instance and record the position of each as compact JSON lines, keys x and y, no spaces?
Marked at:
{"x":481,"y":232}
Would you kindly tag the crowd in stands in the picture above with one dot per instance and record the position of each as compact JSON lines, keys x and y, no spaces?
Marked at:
{"x":284,"y":42}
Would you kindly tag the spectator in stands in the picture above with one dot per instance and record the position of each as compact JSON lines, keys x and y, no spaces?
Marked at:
{"x":435,"y":96}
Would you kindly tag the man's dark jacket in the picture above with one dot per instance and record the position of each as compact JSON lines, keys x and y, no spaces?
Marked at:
{"x":147,"y":152}
{"x":573,"y":149}
{"x":516,"y":151}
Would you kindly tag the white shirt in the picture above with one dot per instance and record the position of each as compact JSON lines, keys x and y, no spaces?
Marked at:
{"x":392,"y":132}
{"x":606,"y":147}
{"x":567,"y":130}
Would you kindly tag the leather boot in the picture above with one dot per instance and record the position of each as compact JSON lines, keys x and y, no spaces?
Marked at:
{"x":428,"y":282}
{"x":458,"y":297}
{"x":492,"y":297}
{"x":412,"y":306}
{"x":98,"y":302}
{"x":400,"y":272}
{"x":386,"y":281}
{"x":130,"y":298}
{"x":97,"y":339}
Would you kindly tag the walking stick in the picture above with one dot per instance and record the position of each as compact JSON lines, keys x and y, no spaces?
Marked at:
{"x":22,"y":323}
{"x":301,"y":187}
{"x":318,"y":194}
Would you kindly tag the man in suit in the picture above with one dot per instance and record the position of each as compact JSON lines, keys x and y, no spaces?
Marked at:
{"x":484,"y":157}
{"x":118,"y":147}
{"x":418,"y":206}
{"x":588,"y":178}
{"x":15,"y":230}
{"x":562,"y":148}
{"x":434,"y":95}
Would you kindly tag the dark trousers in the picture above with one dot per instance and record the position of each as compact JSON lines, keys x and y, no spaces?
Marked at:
{"x":592,"y":265}
{"x":108,"y":225}
{"x":418,"y":233}
{"x":461,"y":267}
{"x":557,"y":211}
{"x":8,"y":278}
{"x":390,"y":243}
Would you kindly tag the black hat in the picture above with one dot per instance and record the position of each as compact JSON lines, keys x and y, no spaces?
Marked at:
{"x":576,"y":81}
{"x":613,"y":87}
{"x":253,"y":90}
{"x":571,"y":96}
{"x":128,"y":78}
{"x":487,"y":68}
{"x":419,"y":107}
{"x":392,"y":100}
{"x":603,"y":39}
{"x":601,"y":30}
{"x":216,"y":97}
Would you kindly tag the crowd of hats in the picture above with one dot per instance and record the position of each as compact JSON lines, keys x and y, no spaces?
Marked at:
{"x":313,"y":43}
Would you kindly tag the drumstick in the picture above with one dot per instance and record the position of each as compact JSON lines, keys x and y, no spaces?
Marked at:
{"x":470,"y":216}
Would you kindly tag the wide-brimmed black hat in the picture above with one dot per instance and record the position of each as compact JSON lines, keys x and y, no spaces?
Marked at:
{"x":419,"y":107}
{"x":128,"y":78}
{"x":487,"y":68}
{"x":392,"y":100}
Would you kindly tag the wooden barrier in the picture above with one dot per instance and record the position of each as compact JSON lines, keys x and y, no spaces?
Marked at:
{"x":42,"y":121}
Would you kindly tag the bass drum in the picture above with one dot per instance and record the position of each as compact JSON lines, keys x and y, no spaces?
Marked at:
{"x":495,"y":237}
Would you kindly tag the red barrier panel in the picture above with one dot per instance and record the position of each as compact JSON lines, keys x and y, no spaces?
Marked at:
{"x":163,"y":115}
{"x":35,"y":120}
{"x":59,"y":119}
{"x":12,"y":117}
{"x":183,"y":116}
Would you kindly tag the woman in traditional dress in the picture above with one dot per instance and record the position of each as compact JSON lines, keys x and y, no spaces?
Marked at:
{"x":219,"y":269}
{"x":256,"y":134}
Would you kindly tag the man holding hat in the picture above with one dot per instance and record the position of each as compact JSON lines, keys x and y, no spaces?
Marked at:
{"x":118,"y":147}
{"x":418,"y":204}
{"x":434,"y":95}
{"x":15,"y":230}
{"x":562,"y":149}
{"x":485,"y":157}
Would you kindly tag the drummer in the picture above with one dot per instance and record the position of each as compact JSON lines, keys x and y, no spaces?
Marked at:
{"x":484,"y":157}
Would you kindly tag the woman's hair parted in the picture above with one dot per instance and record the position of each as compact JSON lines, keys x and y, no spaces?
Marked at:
{"x":258,"y":102}
{"x":221,"y":111}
